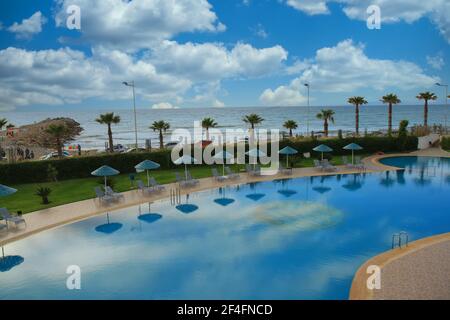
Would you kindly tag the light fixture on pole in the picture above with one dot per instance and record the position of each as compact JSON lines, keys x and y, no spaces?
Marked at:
{"x":446,"y":101}
{"x":131,"y":84}
{"x":307,"y":112}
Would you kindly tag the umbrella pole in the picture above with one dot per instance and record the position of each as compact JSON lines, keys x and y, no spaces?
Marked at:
{"x":3,"y":252}
{"x":148,"y":179}
{"x":105,"y":184}
{"x":185,"y":171}
{"x":223,"y":169}
{"x":322,"y":156}
{"x":353,"y":157}
{"x":287,"y":161}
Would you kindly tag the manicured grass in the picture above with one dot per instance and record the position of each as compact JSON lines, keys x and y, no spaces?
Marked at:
{"x":68,"y":191}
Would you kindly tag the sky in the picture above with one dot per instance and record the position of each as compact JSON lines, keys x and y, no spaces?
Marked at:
{"x":216,"y":53}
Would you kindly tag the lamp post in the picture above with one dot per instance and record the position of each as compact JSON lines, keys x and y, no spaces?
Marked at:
{"x":307,"y":112}
{"x":446,"y":101}
{"x":131,"y":84}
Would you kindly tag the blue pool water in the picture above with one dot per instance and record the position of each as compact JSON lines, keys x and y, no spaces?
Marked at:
{"x":292,"y":239}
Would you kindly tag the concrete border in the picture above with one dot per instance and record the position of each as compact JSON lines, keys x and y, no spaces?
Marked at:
{"x":359,"y":289}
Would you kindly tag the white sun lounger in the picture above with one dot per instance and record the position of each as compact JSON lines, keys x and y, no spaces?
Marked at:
{"x":10,"y":218}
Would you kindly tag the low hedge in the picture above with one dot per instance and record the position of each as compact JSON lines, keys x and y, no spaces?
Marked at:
{"x":445,"y":143}
{"x":72,"y":168}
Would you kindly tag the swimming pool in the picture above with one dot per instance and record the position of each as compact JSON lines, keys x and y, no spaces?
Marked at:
{"x":288,"y":239}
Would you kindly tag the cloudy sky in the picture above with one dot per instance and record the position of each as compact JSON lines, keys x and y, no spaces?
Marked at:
{"x":217,"y":53}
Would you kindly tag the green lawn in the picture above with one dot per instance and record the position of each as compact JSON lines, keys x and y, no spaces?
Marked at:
{"x":68,"y":191}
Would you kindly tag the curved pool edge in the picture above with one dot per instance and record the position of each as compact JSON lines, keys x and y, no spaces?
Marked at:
{"x":46,"y":219}
{"x":431,"y":153}
{"x":359,"y":290}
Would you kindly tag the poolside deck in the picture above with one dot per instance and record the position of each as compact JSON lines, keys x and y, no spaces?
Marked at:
{"x":419,"y":271}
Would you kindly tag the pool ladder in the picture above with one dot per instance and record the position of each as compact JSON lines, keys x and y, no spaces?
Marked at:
{"x":397,"y":239}
{"x":175,"y":196}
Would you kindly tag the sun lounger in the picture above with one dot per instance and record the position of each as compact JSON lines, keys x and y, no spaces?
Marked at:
{"x":155,"y":185}
{"x":318,"y":165}
{"x":253,"y":171}
{"x":101,"y":196}
{"x":191,"y":180}
{"x":346,"y":162}
{"x":231,"y":174}
{"x":284,"y":170}
{"x":181,"y":181}
{"x":359,"y":164}
{"x":143,"y":188}
{"x":110,"y":192}
{"x":216,"y":175}
{"x":327,"y":166}
{"x":10,"y":218}
{"x":3,"y":226}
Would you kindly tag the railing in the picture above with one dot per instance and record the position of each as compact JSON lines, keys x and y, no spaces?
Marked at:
{"x":175,"y":196}
{"x":397,"y":239}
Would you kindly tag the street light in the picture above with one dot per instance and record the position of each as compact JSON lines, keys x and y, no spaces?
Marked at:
{"x":131,"y":84}
{"x":446,"y":101}
{"x":307,"y":112}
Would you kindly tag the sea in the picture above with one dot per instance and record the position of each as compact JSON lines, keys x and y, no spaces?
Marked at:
{"x":94,"y":135}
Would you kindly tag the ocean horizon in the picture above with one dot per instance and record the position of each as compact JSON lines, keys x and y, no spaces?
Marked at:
{"x":372,"y":118}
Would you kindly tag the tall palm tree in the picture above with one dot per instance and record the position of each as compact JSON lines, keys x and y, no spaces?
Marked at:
{"x":252,"y":119}
{"x":426,"y":96}
{"x":290,"y":125}
{"x":208,"y":123}
{"x":3,"y":122}
{"x":390,"y":99}
{"x":57,"y":131}
{"x":160,"y":126}
{"x":326,"y":116}
{"x":109,"y":119}
{"x":357,"y":101}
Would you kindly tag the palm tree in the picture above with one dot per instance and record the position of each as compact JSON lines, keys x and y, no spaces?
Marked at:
{"x":253,"y":119}
{"x":3,"y":122}
{"x":208,"y":123}
{"x":390,"y":99}
{"x":290,"y":125}
{"x":357,"y":101}
{"x":57,"y":131}
{"x":160,"y":126}
{"x":326,"y":115}
{"x":426,"y":96}
{"x":109,"y":119}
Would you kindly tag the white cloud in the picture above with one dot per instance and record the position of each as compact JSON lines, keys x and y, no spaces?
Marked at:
{"x":438,"y":11}
{"x":284,"y":95}
{"x":436,"y":62}
{"x":139,"y":23}
{"x":311,"y":7}
{"x":169,"y":71}
{"x":28,"y":27}
{"x":260,"y":31}
{"x":346,"y":68}
{"x":67,"y":76}
{"x":212,"y":61}
{"x":164,"y":105}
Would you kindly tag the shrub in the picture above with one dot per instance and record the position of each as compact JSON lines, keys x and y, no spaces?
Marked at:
{"x":445,"y":144}
{"x":52,"y":173}
{"x":43,"y":193}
